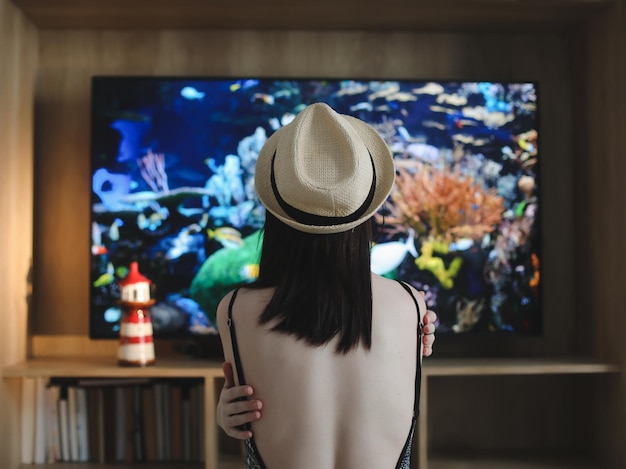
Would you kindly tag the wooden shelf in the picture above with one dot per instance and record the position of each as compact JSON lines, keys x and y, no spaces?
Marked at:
{"x":108,"y":367}
{"x":225,"y":462}
{"x":508,"y":463}
{"x":99,"y":367}
{"x":391,"y":15}
{"x":112,"y":465}
{"x":514,"y":366}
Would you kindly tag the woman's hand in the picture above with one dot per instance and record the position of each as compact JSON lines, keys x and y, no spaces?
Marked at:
{"x":234,"y":409}
{"x":428,"y":336}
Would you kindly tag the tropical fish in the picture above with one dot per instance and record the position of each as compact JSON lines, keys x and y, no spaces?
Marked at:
{"x":262,"y":98}
{"x":112,"y":314}
{"x":249,"y":272}
{"x":227,"y":236}
{"x":364,"y":106}
{"x":98,"y":250}
{"x":114,"y":229}
{"x":434,"y":124}
{"x":274,"y":123}
{"x":106,"y":278}
{"x":243,"y":84}
{"x":404,"y":133}
{"x":429,"y":88}
{"x":462,"y":244}
{"x":189,"y":92}
{"x":386,"y":257}
{"x":96,"y":234}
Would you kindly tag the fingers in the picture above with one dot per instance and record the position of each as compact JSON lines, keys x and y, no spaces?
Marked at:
{"x":239,"y":413}
{"x":428,"y":330}
{"x":430,"y":317}
{"x":427,"y":341}
{"x":239,"y":434}
{"x":235,"y":393}
{"x":234,"y":410}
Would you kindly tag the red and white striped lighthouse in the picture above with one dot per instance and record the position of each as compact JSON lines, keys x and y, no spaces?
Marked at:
{"x":136,"y":345}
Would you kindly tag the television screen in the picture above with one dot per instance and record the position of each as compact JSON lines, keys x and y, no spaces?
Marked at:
{"x":172,"y":188}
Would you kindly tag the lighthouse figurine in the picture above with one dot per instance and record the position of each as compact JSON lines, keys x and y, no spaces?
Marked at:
{"x":136,"y":347}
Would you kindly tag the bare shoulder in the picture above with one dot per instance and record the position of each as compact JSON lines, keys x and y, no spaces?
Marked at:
{"x":391,"y":285}
{"x":396,"y":294}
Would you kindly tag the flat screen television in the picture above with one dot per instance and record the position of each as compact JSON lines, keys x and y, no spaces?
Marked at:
{"x":172,"y":164}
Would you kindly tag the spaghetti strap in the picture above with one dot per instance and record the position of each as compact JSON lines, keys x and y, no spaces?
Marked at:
{"x":420,"y":305}
{"x":404,"y":461}
{"x":253,"y":457}
{"x":233,"y":339}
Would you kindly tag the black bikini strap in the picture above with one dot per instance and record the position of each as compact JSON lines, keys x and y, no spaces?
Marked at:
{"x":418,"y":371}
{"x":233,"y":339}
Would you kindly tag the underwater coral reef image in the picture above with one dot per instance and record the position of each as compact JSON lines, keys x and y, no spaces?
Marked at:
{"x":172,"y":168}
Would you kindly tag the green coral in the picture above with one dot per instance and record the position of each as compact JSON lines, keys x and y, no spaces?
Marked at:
{"x":426,"y":261}
{"x":224,"y":270}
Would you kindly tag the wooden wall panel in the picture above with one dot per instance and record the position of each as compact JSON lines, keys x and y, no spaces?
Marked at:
{"x":18,"y":55}
{"x":606,"y":215}
{"x":69,"y":58}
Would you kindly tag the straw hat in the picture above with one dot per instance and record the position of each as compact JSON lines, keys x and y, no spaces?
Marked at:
{"x":324,"y":172}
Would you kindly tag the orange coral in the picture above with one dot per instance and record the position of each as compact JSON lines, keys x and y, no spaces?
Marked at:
{"x":444,"y":204}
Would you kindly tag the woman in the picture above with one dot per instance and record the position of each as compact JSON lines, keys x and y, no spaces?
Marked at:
{"x":331,"y":350}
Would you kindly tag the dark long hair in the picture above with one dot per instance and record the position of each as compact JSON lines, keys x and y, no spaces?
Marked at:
{"x":322,"y":284}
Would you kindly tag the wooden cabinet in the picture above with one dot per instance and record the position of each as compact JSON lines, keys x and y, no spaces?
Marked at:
{"x":211,"y":373}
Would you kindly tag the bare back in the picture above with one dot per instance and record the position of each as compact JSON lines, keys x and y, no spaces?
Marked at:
{"x":326,"y":410}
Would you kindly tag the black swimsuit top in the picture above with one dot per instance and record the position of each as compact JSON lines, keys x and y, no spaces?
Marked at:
{"x":253,"y":457}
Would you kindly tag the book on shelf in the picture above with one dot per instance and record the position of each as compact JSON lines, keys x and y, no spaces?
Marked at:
{"x":73,"y":423}
{"x":64,"y":423}
{"x":115,"y":420}
{"x":39,"y":456}
{"x":53,"y":430}
{"x":82,"y":424}
{"x":149,"y":423}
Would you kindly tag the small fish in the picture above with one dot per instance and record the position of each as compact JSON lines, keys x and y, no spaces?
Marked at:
{"x":228,"y":237}
{"x":242,"y":85}
{"x":189,"y":92}
{"x":406,"y":136}
{"x":114,"y":229}
{"x":98,"y":250}
{"x":106,"y":278}
{"x":519,"y":209}
{"x":112,"y":314}
{"x":462,"y":244}
{"x":142,"y":221}
{"x":249,"y":272}
{"x":274,"y":123}
{"x":96,"y":234}
{"x":364,"y":106}
{"x":434,"y":125}
{"x":386,"y":257}
{"x":263,"y":98}
{"x":429,"y":88}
